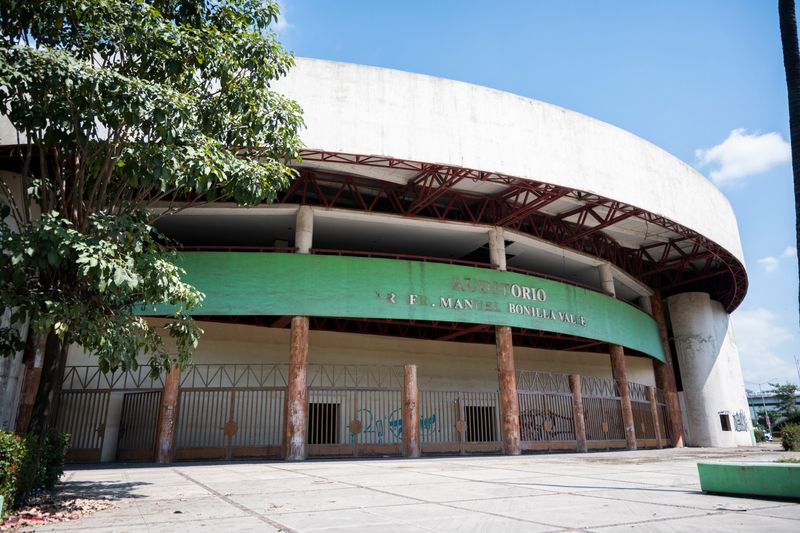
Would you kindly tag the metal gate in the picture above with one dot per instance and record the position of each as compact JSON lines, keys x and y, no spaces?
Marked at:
{"x":602,"y":408}
{"x":138,"y":426}
{"x":359,"y":422}
{"x":642,"y":416}
{"x":229,"y":423}
{"x":354,"y":410}
{"x":82,"y":414}
{"x":459,"y":422}
{"x":546,"y":414}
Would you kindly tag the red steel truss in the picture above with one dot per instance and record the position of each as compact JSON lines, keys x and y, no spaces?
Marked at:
{"x":687,"y":262}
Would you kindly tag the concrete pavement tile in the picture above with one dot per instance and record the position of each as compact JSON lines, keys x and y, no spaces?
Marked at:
{"x":694,"y":499}
{"x":711,"y":523}
{"x":448,"y":518}
{"x":299,"y":501}
{"x":463,"y":490}
{"x":574,"y":511}
{"x":481,"y":523}
{"x":570,"y":484}
{"x":353,"y":519}
{"x":791,"y":510}
{"x":304,"y":484}
{"x":377,"y":479}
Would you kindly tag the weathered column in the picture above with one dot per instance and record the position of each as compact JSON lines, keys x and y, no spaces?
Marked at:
{"x":620,"y":374}
{"x":607,"y":279}
{"x":665,"y":375}
{"x":304,"y":229}
{"x":411,"y":444}
{"x":296,"y":403}
{"x":577,"y":408}
{"x":651,"y":397}
{"x":506,"y":374}
{"x":618,"y":370}
{"x":296,"y":416}
{"x":168,"y":416}
{"x":497,"y":248}
{"x":509,"y":403}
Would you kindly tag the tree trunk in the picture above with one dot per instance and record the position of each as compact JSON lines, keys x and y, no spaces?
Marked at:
{"x":32,"y":361}
{"x":791,"y":64}
{"x":48,"y":396}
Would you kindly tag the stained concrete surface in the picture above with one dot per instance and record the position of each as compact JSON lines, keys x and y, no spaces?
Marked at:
{"x":653,"y":490}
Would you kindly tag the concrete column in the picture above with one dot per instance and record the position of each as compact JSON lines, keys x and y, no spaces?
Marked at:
{"x":607,"y":279}
{"x":411,"y":444}
{"x":296,"y":416}
{"x":665,"y":375}
{"x":304,"y":229}
{"x":710,"y":371}
{"x":620,"y":374}
{"x":509,"y":402}
{"x":618,"y":370}
{"x":577,"y":408}
{"x":651,"y":397}
{"x":168,"y":416}
{"x":646,"y":304}
{"x":296,"y":402}
{"x":497,"y":248}
{"x":506,"y":374}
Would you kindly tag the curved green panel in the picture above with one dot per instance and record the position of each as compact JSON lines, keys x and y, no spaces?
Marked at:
{"x":238,"y":283}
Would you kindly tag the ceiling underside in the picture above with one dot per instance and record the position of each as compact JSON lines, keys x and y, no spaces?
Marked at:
{"x":661,"y":253}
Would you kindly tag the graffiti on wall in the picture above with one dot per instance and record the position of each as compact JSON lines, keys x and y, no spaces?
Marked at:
{"x":379,"y":430}
{"x":740,"y":421}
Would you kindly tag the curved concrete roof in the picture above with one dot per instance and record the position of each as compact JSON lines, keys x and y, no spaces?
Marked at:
{"x":375,"y":111}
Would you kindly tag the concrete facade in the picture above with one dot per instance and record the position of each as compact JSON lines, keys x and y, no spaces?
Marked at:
{"x":575,"y":201}
{"x":369,"y":110}
{"x":713,"y":394}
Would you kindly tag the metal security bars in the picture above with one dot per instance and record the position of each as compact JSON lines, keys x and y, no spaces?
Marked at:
{"x":546,"y":411}
{"x":354,"y":410}
{"x":602,"y":407}
{"x":227,"y":411}
{"x":83,"y":416}
{"x":642,"y":414}
{"x":354,"y":422}
{"x":663,"y":417}
{"x":229,"y":423}
{"x":136,"y":440}
{"x":459,"y":421}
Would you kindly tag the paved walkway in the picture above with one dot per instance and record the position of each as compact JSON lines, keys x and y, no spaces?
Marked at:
{"x":620,"y":491}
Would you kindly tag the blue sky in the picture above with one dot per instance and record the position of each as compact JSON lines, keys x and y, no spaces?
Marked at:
{"x":685,"y":75}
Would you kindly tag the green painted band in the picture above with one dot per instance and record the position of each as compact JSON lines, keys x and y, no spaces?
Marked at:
{"x":240,"y":283}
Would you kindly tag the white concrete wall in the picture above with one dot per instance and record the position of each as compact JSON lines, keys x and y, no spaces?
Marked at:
{"x":369,"y":110}
{"x":440,"y":365}
{"x":710,"y":371}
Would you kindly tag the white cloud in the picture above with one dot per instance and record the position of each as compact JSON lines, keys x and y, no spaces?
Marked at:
{"x":742,"y":155}
{"x":281,"y":25}
{"x":765,"y":346}
{"x":771,"y":263}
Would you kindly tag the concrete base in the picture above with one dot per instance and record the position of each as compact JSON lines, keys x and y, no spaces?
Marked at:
{"x":770,"y":480}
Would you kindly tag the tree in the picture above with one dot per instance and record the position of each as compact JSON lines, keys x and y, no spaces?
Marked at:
{"x":786,"y":395}
{"x":791,"y":65}
{"x":130,"y":110}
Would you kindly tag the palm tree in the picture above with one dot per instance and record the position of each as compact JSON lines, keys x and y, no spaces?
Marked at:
{"x":791,"y":63}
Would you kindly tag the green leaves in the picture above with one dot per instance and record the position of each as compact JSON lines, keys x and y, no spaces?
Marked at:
{"x":131,"y":103}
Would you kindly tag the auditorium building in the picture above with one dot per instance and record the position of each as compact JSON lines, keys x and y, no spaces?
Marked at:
{"x":455,"y":269}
